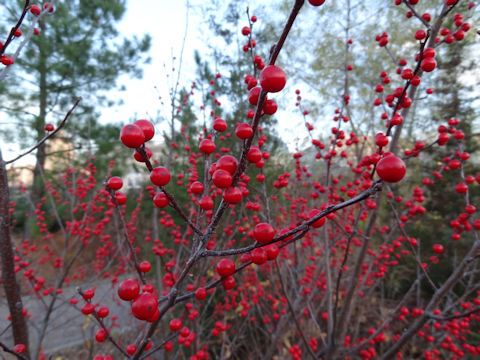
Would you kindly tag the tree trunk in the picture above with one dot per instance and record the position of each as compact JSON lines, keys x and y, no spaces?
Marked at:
{"x":9,"y":281}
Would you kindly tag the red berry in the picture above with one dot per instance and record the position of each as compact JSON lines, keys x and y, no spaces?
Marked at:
{"x":227,"y":162}
{"x":318,"y":223}
{"x":160,"y":200}
{"x":121,"y":198}
{"x":438,"y":248}
{"x":115,"y":183}
{"x":263,"y":233}
{"x":219,"y":125}
{"x":128,"y":289}
{"x":132,"y":136}
{"x":103,"y":312}
{"x":461,"y":188}
{"x":207,"y":146}
{"x":6,"y":60}
{"x":88,"y":308}
{"x":147,"y":128}
{"x":100,"y":335}
{"x":49,"y":127}
{"x":253,"y":95}
{"x":428,"y":64}
{"x":228,"y":283}
{"x":201,"y":293}
{"x":145,"y":266}
{"x":259,"y":256}
{"x":206,"y":203}
{"x":175,"y":324}
{"x":160,"y":176}
{"x":272,"y":251}
{"x":88,"y":294}
{"x":272,"y":79}
{"x":391,"y":168}
{"x":270,"y":107}
{"x":196,"y":187}
{"x":138,"y":157}
{"x":47,"y":6}
{"x":316,"y":2}
{"x":144,"y":306}
{"x":225,"y":267}
{"x":244,"y":131}
{"x":232,"y":195}
{"x":19,"y":348}
{"x":254,"y":154}
{"x":222,"y":178}
{"x":131,"y":349}
{"x":35,"y":10}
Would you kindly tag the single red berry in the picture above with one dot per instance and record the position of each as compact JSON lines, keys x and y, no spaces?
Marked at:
{"x":138,"y":157}
{"x":227,"y":162}
{"x":100,"y":335}
{"x":391,"y":168}
{"x":128,"y":289}
{"x":253,"y":95}
{"x":270,"y":107}
{"x":232,"y":195}
{"x":88,"y":308}
{"x":175,"y":324}
{"x":17,"y":33}
{"x":225,"y":267}
{"x":272,"y":251}
{"x":438,"y":248}
{"x":207,"y":146}
{"x":147,"y":128}
{"x":103,"y":312}
{"x":428,"y":64}
{"x":461,"y":188}
{"x":206,"y":203}
{"x":244,"y":131}
{"x":145,"y":266}
{"x":228,"y":282}
{"x":263,"y":233}
{"x":132,"y":136}
{"x":160,"y":200}
{"x":259,"y":256}
{"x":316,"y":2}
{"x":219,"y":125}
{"x":245,"y":30}
{"x":131,"y":349}
{"x":201,"y":293}
{"x":272,"y":79}
{"x":115,"y":183}
{"x":320,"y":222}
{"x":49,"y":127}
{"x":254,"y":154}
{"x":160,"y":176}
{"x":121,"y":198}
{"x":144,"y":306}
{"x":222,"y":179}
{"x":429,"y":53}
{"x":196,"y":187}
{"x":88,"y":294}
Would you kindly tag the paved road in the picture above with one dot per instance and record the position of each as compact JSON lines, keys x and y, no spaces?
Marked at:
{"x":68,"y":327}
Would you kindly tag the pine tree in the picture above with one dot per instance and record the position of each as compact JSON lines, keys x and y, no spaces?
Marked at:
{"x":78,"y":52}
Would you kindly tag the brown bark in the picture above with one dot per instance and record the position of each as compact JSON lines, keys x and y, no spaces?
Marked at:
{"x":9,"y":281}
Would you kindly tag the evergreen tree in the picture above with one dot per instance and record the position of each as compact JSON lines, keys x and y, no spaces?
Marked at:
{"x":78,"y":52}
